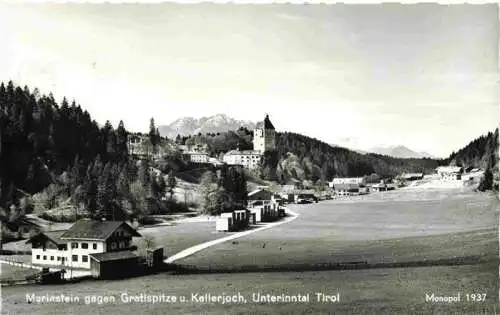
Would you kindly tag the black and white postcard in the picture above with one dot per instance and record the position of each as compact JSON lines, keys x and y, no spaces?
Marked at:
{"x":225,"y":158}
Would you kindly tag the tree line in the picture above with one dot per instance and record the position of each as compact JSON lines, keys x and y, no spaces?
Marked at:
{"x":54,"y":154}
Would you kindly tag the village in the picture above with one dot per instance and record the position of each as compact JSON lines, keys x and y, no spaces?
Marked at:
{"x":105,"y":249}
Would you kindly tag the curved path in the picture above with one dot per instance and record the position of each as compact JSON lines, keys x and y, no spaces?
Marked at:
{"x":194,"y":249}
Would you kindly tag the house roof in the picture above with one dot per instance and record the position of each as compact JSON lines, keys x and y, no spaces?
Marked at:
{"x":256,"y":191}
{"x":413,"y":175}
{"x":265,"y":124}
{"x":347,"y":180}
{"x":95,"y":230}
{"x":449,"y":169}
{"x":246,"y":152}
{"x":54,"y":236}
{"x":110,"y":256}
{"x":345,"y":186}
{"x":19,"y":221}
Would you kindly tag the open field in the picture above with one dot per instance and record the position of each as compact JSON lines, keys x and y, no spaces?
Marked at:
{"x":181,"y":235}
{"x":383,"y":291}
{"x":439,"y":225}
{"x":9,"y":272}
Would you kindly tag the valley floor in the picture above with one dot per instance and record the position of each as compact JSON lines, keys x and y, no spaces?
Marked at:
{"x":406,"y":227}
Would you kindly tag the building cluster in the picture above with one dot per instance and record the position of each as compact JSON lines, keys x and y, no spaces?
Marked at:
{"x":264,"y":139}
{"x":263,"y":206}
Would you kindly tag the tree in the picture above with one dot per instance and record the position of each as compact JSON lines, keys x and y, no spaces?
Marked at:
{"x":171,"y":183}
{"x":162,"y":186}
{"x":144,"y":173}
{"x":487,"y":181}
{"x":210,"y":194}
{"x":154,"y":136}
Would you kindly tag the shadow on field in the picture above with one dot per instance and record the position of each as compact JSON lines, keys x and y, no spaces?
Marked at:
{"x":355,"y":265}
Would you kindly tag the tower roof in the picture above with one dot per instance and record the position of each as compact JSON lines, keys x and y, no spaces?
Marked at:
{"x":265,"y":124}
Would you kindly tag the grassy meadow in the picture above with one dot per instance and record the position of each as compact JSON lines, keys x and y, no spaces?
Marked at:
{"x":408,"y":227}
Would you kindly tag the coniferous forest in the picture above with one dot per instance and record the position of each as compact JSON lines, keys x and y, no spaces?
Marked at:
{"x":54,"y":155}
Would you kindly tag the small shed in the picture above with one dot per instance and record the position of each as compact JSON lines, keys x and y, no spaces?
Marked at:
{"x":154,"y":257}
{"x":111,"y":265}
{"x":224,"y":224}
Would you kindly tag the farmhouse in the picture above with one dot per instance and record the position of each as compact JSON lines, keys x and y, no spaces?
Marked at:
{"x":450,"y":172}
{"x":346,"y":180}
{"x":77,"y":246}
{"x":379,"y":187}
{"x":347,"y":189}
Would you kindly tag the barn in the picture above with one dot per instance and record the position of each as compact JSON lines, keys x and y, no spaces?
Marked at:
{"x":111,"y":265}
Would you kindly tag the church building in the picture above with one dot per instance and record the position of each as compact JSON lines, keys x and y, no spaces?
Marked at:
{"x":264,"y":139}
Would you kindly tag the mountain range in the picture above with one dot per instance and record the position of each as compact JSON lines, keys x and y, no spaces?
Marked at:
{"x":212,"y":124}
{"x":221,"y":123}
{"x":400,"y":151}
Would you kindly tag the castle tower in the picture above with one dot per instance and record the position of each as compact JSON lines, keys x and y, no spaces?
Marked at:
{"x":264,"y":136}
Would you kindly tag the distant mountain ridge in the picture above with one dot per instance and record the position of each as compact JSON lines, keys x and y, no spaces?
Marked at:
{"x":400,"y":151}
{"x":212,"y":124}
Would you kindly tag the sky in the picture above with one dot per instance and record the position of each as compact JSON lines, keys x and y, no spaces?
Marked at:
{"x":361,"y":76}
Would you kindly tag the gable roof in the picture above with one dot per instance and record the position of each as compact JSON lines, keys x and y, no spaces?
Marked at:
{"x":265,"y":124}
{"x":96,"y":230}
{"x":449,"y":169}
{"x":20,"y":221}
{"x":109,"y":256}
{"x":53,"y":236}
{"x":245,"y":152}
{"x":346,"y":186}
{"x":258,"y":190}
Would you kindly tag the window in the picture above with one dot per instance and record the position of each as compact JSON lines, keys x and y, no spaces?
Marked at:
{"x":113,"y":245}
{"x":85,"y":258}
{"x":74,"y":245}
{"x":51,"y":257}
{"x":74,"y":257}
{"x":37,"y":256}
{"x":44,"y":257}
{"x":94,"y":246}
{"x":58,"y":258}
{"x":63,"y":259}
{"x":85,"y":245}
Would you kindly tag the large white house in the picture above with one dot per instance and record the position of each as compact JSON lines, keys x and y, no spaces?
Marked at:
{"x":449,"y":172}
{"x":346,"y":181}
{"x":75,"y":247}
{"x":249,"y":159}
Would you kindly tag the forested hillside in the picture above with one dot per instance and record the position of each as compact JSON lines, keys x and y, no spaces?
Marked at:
{"x":55,"y":155}
{"x":480,"y":153}
{"x":318,"y":160}
{"x":303,"y":158}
